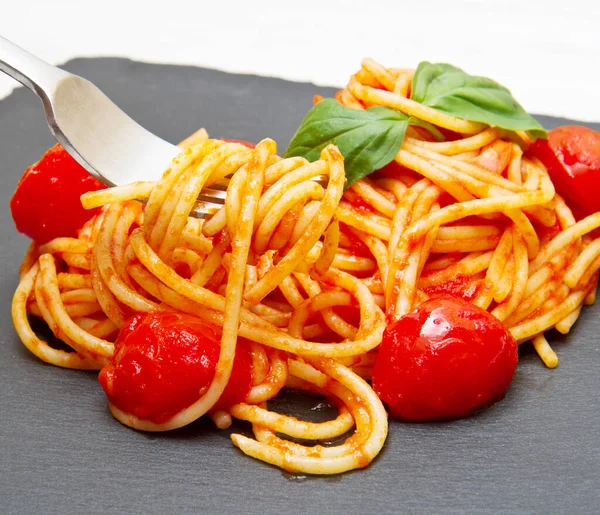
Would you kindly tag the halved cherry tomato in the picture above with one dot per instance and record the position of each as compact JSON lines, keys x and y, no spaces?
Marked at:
{"x":162,"y":363}
{"x":572,"y":156}
{"x":446,"y":359}
{"x":46,"y":203}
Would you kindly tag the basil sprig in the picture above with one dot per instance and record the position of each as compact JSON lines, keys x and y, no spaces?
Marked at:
{"x":479,"y":99}
{"x":368,"y":139}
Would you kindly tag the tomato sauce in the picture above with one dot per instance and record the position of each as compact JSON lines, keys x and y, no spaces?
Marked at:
{"x":357,"y":247}
{"x":461,"y":286}
{"x":358,"y":203}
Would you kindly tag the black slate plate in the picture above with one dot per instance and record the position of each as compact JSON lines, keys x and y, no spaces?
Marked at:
{"x":62,"y":452}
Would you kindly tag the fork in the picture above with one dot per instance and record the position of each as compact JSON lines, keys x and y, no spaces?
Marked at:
{"x":94,"y":131}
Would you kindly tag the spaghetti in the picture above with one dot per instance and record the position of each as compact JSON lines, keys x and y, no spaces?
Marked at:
{"x":308,"y":273}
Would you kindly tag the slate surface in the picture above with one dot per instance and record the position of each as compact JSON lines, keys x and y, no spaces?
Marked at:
{"x":62,"y":452}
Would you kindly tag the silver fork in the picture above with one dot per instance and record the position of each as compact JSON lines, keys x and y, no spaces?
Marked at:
{"x":100,"y":137}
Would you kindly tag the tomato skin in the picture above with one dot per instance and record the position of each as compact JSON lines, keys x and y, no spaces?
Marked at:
{"x":572,"y":156}
{"x":446,"y":359}
{"x":46,"y":203}
{"x":163,"y":360}
{"x":240,"y":141}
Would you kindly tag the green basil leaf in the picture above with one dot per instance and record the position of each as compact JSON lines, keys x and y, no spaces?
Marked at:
{"x":479,"y":99}
{"x":368,"y":140}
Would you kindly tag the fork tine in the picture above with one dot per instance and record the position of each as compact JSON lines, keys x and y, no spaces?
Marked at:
{"x":222,"y":185}
{"x":213,"y":195}
{"x":204,"y":209}
{"x":323,"y":180}
{"x":211,"y":199}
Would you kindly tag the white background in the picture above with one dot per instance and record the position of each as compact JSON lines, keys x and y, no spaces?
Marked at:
{"x":546,"y":52}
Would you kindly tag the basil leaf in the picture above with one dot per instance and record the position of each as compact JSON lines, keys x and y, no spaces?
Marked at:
{"x":368,"y":140}
{"x":479,"y":99}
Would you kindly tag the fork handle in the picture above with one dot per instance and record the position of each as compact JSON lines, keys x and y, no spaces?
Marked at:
{"x":39,"y":76}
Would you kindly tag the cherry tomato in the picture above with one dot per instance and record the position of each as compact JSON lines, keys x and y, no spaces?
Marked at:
{"x":46,"y":203}
{"x":572,"y":156}
{"x":240,"y":141}
{"x":163,"y":362}
{"x":446,"y":359}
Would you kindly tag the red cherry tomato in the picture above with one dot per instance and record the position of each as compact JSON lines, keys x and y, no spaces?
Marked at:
{"x":162,"y":363}
{"x":572,"y":156}
{"x":46,"y":203}
{"x":240,"y":141}
{"x":446,"y":359}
